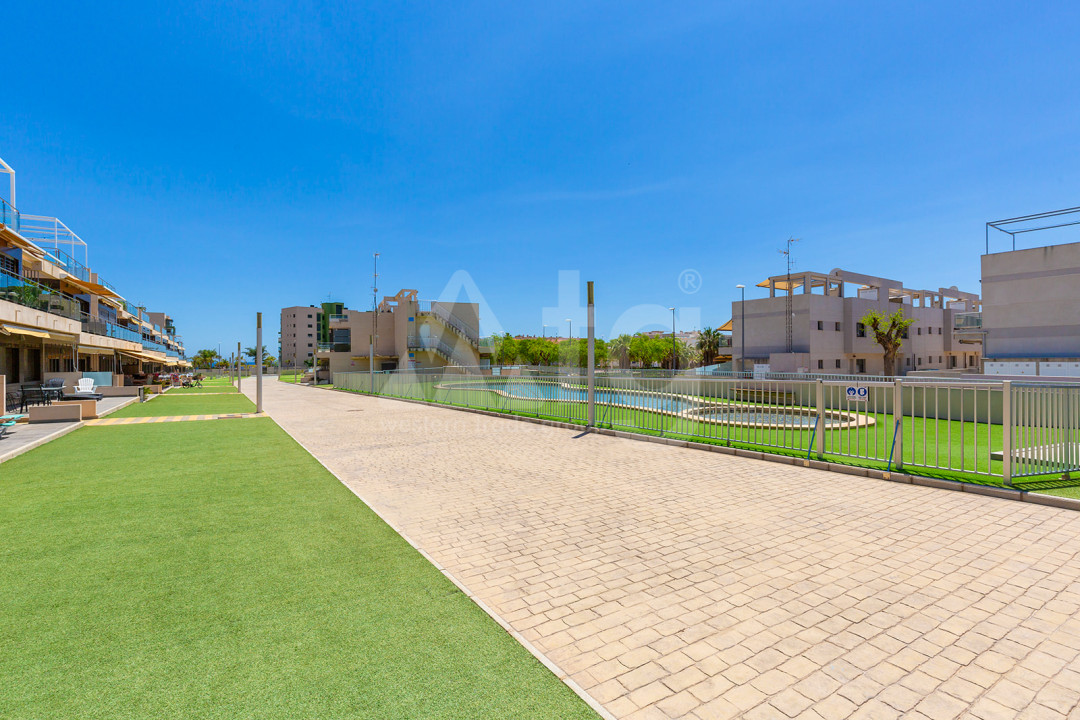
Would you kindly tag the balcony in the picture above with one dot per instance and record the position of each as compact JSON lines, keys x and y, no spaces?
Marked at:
{"x":151,"y":345}
{"x":34,"y":295}
{"x":69,"y":264}
{"x":324,"y":347}
{"x":9,"y":216}
{"x":338,"y":318}
{"x":97,"y":326}
{"x":967,"y":321}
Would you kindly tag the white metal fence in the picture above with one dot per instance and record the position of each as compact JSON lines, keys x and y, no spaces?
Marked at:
{"x":973,"y":430}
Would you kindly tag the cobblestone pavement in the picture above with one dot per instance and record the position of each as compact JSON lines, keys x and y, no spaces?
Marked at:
{"x":674,"y":583}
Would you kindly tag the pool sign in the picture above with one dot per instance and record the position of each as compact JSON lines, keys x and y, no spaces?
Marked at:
{"x":857,"y":394}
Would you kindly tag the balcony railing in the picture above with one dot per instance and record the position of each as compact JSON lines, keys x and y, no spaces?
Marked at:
{"x":439,"y":310}
{"x":68,"y":263}
{"x":324,"y":346}
{"x":49,"y":233}
{"x":967,"y":321}
{"x":151,"y":345}
{"x":338,"y":318}
{"x":97,"y":326}
{"x":34,"y":295}
{"x":8,"y":215}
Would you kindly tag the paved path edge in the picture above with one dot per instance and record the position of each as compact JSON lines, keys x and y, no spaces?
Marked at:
{"x":939,"y":483}
{"x":532,"y":649}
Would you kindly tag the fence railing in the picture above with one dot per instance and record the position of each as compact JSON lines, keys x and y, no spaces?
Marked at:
{"x":440,"y":311}
{"x":985,"y":431}
{"x":9,"y":216}
{"x":34,"y":295}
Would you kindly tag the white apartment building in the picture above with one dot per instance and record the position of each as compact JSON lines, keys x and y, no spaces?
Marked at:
{"x":826,"y":333}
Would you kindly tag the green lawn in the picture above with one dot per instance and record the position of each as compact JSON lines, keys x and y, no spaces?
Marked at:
{"x":206,"y":388}
{"x":190,"y":404}
{"x":177,"y":570}
{"x":937,"y":448}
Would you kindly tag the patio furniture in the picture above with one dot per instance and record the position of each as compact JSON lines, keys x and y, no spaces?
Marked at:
{"x":53,"y":388}
{"x":34,"y":394}
{"x":86,"y":385}
{"x":7,"y":422}
{"x":14,"y":400}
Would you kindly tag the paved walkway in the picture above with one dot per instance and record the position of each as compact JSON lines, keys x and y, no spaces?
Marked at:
{"x":677,"y":583}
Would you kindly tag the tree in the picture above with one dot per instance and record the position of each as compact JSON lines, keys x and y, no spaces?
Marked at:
{"x":249,"y":353}
{"x":506,"y":350}
{"x":619,"y":349}
{"x":205,"y":359}
{"x":709,"y":344}
{"x":889,"y":331}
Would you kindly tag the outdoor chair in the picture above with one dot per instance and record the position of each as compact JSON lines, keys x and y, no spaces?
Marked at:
{"x":86,"y":385}
{"x":7,"y":422}
{"x":15,"y":401}
{"x":34,"y":394}
{"x":53,"y":388}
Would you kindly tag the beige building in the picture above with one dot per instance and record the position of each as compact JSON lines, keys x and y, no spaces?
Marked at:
{"x":410,"y":333}
{"x":1031,"y":304}
{"x":299,"y":334}
{"x":60,"y":319}
{"x":827,"y":337}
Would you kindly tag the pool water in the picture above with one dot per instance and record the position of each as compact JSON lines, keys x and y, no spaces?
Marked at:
{"x":662,"y":402}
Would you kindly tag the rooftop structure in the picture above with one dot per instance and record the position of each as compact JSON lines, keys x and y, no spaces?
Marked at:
{"x":811,"y":323}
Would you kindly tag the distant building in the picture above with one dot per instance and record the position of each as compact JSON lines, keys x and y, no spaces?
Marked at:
{"x":828,"y":337}
{"x":407,"y":333}
{"x":299,"y":334}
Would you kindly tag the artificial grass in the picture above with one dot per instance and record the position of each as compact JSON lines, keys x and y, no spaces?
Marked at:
{"x":218,"y":388}
{"x":215,"y":570}
{"x":191,"y":404}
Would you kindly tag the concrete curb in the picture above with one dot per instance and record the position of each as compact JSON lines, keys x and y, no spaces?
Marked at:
{"x":532,"y":649}
{"x":939,"y":483}
{"x":39,"y":442}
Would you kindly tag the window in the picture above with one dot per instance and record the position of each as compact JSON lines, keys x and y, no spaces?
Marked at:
{"x":820,"y":363}
{"x":907,"y":362}
{"x":919,"y":331}
{"x":939,"y":359}
{"x":820,"y":324}
{"x":838,"y":364}
{"x":309,"y":344}
{"x":837,"y":327}
{"x":939,"y":331}
{"x":860,"y":330}
{"x":9,"y":264}
{"x":920,"y":361}
{"x":860,"y":366}
{"x":904,"y":334}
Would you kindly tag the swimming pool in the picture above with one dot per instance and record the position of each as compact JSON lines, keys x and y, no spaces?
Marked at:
{"x":713,"y":411}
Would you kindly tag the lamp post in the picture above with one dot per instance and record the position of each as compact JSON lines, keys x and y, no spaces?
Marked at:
{"x":543,"y":332}
{"x":742,"y":327}
{"x":569,"y":339}
{"x":674,"y":344}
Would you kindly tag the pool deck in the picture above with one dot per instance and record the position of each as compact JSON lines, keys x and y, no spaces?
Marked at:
{"x":675,"y":583}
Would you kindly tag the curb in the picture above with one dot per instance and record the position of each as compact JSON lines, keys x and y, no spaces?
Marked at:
{"x":39,"y":442}
{"x":986,"y":490}
{"x":532,"y":649}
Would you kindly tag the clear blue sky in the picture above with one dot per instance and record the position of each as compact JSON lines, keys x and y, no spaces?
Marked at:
{"x":224,"y":160}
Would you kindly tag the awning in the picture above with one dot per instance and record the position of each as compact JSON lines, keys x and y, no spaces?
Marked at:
{"x":92,"y":350}
{"x":20,"y":330}
{"x":726,"y":327}
{"x":141,"y":357}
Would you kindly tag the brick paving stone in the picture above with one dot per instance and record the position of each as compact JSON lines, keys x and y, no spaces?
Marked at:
{"x":678,"y":583}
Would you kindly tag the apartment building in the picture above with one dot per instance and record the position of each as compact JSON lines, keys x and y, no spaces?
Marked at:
{"x":299,"y":334}
{"x":406,"y":333}
{"x":59,"y":318}
{"x":821,"y":312}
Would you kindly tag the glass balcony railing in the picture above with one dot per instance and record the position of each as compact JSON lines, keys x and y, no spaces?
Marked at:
{"x":151,"y":345}
{"x":8,"y":215}
{"x":97,"y":326}
{"x":325,"y":346}
{"x":34,"y":295}
{"x":967,"y":321}
{"x":338,"y":318}
{"x":68,"y":263}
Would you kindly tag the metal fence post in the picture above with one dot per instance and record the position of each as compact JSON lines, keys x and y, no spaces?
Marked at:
{"x":898,"y":423}
{"x":1006,"y":432}
{"x":258,"y":363}
{"x":819,"y":439}
{"x":591,"y":359}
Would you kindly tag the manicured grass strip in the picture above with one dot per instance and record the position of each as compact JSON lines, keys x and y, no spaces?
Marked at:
{"x":194,"y":404}
{"x":181,"y":571}
{"x":204,"y":389}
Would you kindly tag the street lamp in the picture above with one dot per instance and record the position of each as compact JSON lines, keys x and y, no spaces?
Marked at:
{"x":544,"y":332}
{"x":569,"y":340}
{"x":742,"y":327}
{"x":674,"y":345}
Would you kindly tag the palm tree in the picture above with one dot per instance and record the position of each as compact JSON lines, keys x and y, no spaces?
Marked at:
{"x":709,"y":344}
{"x":205,"y":359}
{"x":619,"y":350}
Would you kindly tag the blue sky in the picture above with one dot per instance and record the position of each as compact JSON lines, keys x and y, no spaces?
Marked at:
{"x":226,"y":160}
